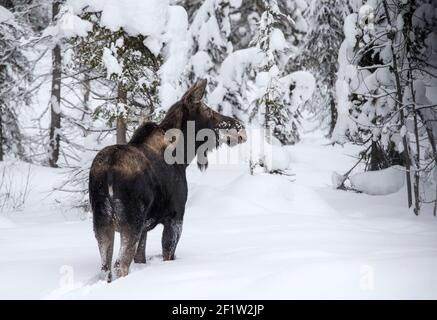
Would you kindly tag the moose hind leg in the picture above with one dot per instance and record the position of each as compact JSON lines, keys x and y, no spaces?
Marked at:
{"x":129,"y":242}
{"x":105,"y":239}
{"x":170,"y":238}
{"x":140,"y":255}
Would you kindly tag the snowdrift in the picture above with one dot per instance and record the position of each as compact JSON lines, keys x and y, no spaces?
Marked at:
{"x":379,"y":182}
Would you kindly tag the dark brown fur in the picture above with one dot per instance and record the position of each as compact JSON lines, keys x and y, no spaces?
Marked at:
{"x":132,"y":188}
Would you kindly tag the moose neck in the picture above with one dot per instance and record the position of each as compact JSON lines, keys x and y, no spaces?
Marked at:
{"x":190,"y":144}
{"x":176,"y":118}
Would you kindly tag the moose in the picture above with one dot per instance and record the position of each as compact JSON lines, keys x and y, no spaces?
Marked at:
{"x":133,"y":187}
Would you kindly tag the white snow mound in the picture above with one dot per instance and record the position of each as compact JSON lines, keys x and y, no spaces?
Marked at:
{"x":379,"y":182}
{"x":278,"y":158}
{"x":5,"y":14}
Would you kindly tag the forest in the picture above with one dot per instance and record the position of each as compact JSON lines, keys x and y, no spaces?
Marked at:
{"x":334,"y":191}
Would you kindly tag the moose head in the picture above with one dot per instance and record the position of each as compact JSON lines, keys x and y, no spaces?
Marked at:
{"x":202,"y":127}
{"x":227,"y":129}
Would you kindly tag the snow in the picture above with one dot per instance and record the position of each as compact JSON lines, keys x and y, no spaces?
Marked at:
{"x":233,"y":66}
{"x":55,"y":105}
{"x":420,"y":92}
{"x":111,"y":63}
{"x":348,"y":80}
{"x":175,"y":55}
{"x":205,"y":28}
{"x":147,"y":18}
{"x":153,"y":44}
{"x":278,"y":158}
{"x":5,"y":14}
{"x":245,"y":237}
{"x":88,"y":5}
{"x":235,"y":3}
{"x":233,"y":69}
{"x":6,"y":223}
{"x":277,"y":40}
{"x":144,"y":17}
{"x":304,"y":86}
{"x":366,"y":15}
{"x":300,"y":22}
{"x":381,"y":182}
{"x":337,"y":179}
{"x":201,"y":63}
{"x":164,"y":26}
{"x":68,"y":26}
{"x":135,"y":17}
{"x":71,"y":26}
{"x":350,"y":29}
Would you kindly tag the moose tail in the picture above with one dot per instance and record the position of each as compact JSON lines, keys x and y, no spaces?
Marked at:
{"x":110,"y":182}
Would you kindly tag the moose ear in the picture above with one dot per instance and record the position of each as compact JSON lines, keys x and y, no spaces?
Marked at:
{"x":196,"y":92}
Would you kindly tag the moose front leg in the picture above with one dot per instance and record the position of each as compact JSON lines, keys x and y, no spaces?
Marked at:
{"x":170,"y":237}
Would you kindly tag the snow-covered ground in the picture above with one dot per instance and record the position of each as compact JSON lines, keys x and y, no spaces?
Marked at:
{"x":245,"y":237}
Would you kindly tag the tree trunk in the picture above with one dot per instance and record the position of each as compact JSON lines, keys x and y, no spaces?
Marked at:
{"x":334,"y":114}
{"x":376,"y":161}
{"x":1,"y":135}
{"x":401,"y":111}
{"x":55,"y":101}
{"x":85,"y":119}
{"x":2,"y":69}
{"x":410,"y":78}
{"x":432,"y":141}
{"x":417,"y":160}
{"x":121,"y":122}
{"x":86,"y":96}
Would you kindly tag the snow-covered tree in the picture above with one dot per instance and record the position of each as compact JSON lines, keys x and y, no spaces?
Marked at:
{"x":14,"y":80}
{"x":245,"y":16}
{"x":235,"y":82}
{"x":33,"y":13}
{"x":121,"y":69}
{"x":125,"y":69}
{"x":209,"y":43}
{"x":419,"y":22}
{"x":319,"y":55}
{"x":385,"y":63}
{"x":271,"y":41}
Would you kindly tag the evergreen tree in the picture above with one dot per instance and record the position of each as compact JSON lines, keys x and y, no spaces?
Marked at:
{"x":235,"y":81}
{"x":14,"y":79}
{"x":270,"y":40}
{"x":33,"y":13}
{"x":125,"y":71}
{"x":209,"y":43}
{"x":246,"y":16}
{"x":319,"y":55}
{"x":384,"y":69}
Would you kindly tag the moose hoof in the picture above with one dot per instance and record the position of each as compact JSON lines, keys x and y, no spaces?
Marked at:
{"x":105,"y":274}
{"x":121,"y":272}
{"x":168,"y":257}
{"x":140,"y":259}
{"x":108,"y":277}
